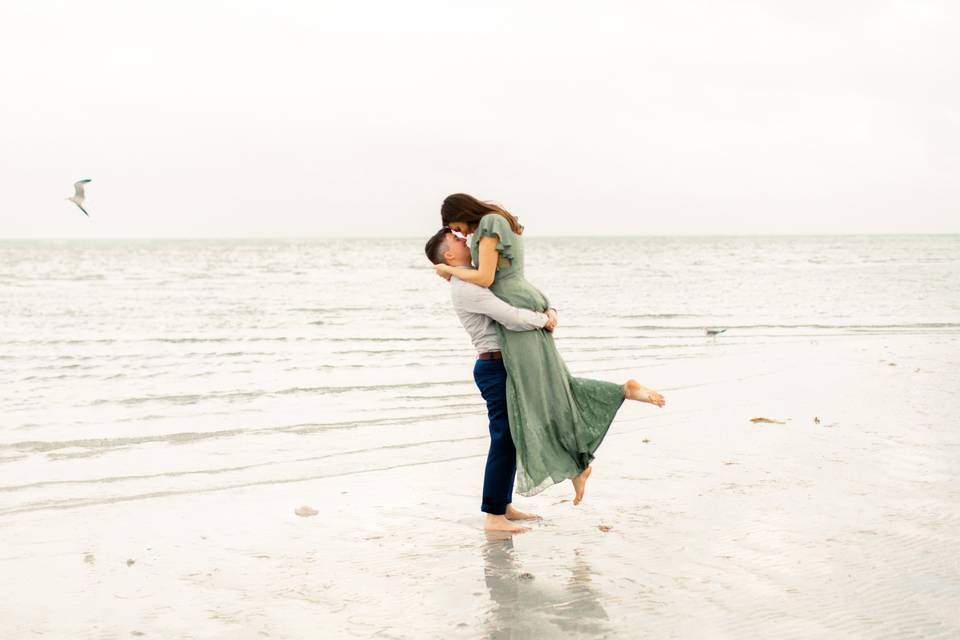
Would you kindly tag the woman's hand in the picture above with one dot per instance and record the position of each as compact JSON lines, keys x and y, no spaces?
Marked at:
{"x":443,"y":270}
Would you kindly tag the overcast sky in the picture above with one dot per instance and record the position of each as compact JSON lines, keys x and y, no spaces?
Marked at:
{"x":224,"y":119}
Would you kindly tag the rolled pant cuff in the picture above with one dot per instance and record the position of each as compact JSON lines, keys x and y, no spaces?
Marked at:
{"x":494,"y":509}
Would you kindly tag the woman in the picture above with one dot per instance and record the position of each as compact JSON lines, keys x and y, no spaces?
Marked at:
{"x":557,"y":421}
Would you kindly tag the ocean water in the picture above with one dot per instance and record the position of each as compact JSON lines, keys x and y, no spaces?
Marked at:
{"x":133,"y":369}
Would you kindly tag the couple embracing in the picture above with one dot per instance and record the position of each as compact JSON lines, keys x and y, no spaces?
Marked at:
{"x":545,"y":424}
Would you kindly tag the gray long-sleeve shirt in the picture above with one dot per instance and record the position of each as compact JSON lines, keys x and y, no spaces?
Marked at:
{"x":479,"y":309}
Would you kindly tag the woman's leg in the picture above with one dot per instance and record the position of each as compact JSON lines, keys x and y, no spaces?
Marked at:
{"x":580,"y":485}
{"x":633,"y":390}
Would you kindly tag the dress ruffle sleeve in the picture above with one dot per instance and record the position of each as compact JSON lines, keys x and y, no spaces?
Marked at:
{"x":496,"y":226}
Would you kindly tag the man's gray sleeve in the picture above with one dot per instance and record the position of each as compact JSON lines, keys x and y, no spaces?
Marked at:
{"x":477,"y":299}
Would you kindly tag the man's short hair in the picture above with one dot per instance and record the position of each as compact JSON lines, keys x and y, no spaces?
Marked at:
{"x":437,"y":246}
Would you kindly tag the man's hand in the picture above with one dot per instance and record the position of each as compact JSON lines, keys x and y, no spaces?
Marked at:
{"x":551,"y":320}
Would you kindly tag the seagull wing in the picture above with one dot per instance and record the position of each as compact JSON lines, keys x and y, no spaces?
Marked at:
{"x":81,"y":208}
{"x":78,"y":188}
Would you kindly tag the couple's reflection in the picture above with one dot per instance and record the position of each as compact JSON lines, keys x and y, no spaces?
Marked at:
{"x":542,"y":605}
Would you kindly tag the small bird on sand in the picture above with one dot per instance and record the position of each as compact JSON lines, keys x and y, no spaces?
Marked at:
{"x":77,"y":197}
{"x":715,"y":332}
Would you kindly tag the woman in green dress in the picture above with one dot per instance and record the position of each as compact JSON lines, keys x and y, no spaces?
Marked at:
{"x":557,"y":420}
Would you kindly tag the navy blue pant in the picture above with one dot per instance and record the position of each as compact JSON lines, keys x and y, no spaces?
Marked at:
{"x":491,"y":378}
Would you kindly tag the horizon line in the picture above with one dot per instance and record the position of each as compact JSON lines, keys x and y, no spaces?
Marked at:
{"x":545,"y":237}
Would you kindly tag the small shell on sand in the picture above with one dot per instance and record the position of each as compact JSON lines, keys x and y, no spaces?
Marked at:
{"x":604,"y":527}
{"x":305,"y":511}
{"x":766,"y":420}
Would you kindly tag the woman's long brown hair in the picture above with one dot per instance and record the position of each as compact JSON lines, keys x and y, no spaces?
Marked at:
{"x":460,"y":207}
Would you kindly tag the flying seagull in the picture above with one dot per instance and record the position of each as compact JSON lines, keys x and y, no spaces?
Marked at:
{"x":77,"y":197}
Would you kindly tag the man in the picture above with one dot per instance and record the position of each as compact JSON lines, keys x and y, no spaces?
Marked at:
{"x":479,"y":311}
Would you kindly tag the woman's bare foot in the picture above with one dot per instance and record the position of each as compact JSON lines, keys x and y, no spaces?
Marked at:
{"x":514,"y":514}
{"x":500,"y":523}
{"x":633,"y":390}
{"x":580,"y":484}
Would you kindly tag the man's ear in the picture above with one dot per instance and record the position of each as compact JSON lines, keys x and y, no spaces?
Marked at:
{"x":447,"y":257}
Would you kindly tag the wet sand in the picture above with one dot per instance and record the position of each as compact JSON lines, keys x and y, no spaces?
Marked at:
{"x":715,"y":527}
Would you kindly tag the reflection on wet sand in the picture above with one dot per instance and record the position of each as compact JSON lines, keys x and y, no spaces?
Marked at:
{"x":543,"y":605}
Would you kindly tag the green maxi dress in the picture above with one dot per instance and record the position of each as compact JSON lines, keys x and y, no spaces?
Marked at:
{"x":557,"y":421}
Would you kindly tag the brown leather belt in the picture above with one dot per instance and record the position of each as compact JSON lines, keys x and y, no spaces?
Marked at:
{"x":490,"y":355}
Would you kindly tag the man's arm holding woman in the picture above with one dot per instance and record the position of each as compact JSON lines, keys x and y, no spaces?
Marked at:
{"x":476,"y":299}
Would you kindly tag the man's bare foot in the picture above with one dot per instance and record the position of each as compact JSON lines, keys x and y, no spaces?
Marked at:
{"x":500,"y":523}
{"x":579,"y":484}
{"x":633,"y":390}
{"x":514,"y":514}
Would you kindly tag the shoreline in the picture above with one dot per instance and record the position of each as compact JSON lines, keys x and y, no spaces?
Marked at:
{"x":715,"y":526}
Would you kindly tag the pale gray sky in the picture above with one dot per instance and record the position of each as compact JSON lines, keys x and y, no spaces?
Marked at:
{"x":223,"y":119}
